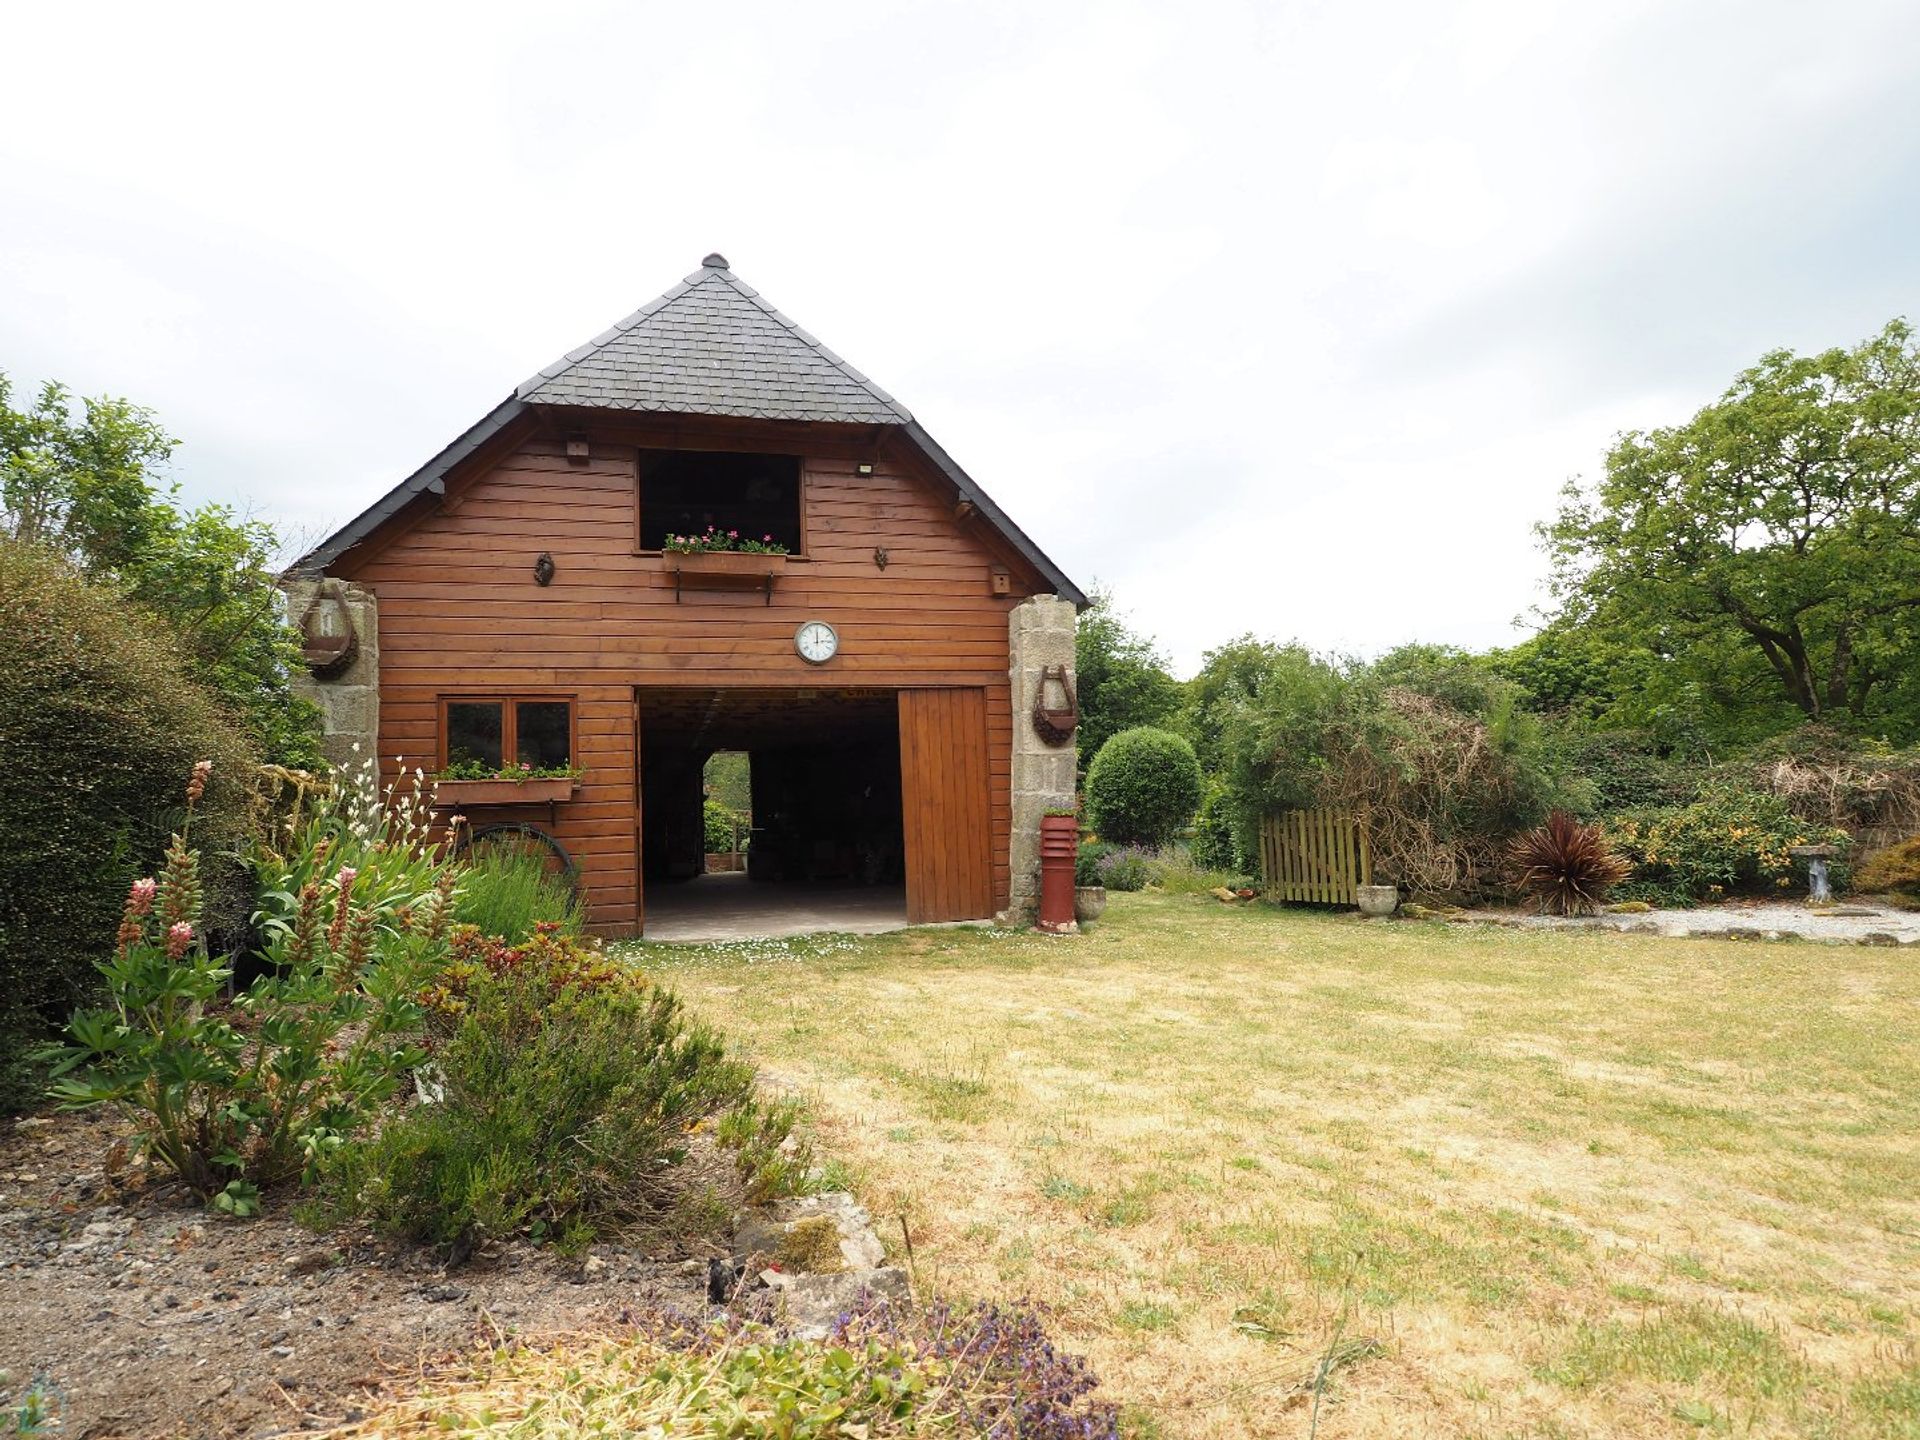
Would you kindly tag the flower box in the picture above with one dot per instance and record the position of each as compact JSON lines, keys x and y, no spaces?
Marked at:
{"x":723,"y":570}
{"x":457,"y":794}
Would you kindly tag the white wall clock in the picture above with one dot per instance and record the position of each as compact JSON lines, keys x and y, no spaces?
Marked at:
{"x":816,"y":642}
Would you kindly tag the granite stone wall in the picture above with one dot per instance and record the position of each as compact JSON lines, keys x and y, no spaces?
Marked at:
{"x":1041,"y":633}
{"x":349,"y":701}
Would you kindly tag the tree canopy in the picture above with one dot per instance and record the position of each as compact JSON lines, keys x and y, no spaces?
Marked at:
{"x":1768,"y":548}
{"x":90,"y":489}
{"x":1122,"y":679}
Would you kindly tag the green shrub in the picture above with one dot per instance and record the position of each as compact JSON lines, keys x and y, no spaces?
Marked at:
{"x":509,"y":888}
{"x":1617,"y":770}
{"x":1730,"y":841}
{"x":1896,"y":868}
{"x":725,"y":829}
{"x":99,"y":722}
{"x":1143,"y":787}
{"x":234,"y":1097}
{"x":1214,"y":846}
{"x":569,"y":1089}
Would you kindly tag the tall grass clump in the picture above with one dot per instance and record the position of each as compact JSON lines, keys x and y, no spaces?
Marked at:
{"x":508,"y":888}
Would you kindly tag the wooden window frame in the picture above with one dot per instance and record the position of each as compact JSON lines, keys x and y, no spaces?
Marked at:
{"x":640,"y":454}
{"x":509,"y":701}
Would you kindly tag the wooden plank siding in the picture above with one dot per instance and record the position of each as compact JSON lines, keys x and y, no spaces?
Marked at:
{"x":945,"y":795}
{"x":460,"y":612}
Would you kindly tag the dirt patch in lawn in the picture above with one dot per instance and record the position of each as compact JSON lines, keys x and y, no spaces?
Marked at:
{"x":129,"y":1310}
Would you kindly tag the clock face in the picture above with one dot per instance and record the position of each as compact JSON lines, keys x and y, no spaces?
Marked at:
{"x":816,"y":642}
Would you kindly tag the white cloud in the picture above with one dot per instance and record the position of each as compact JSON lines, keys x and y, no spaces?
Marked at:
{"x":1289,"y":318}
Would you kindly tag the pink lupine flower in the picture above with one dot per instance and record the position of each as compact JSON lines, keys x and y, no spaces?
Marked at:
{"x":346,"y":876}
{"x":140,"y":897}
{"x":179,"y":936}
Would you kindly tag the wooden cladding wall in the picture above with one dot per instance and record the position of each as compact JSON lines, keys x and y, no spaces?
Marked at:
{"x":460,"y":612}
{"x":1314,"y":856}
{"x":945,"y":799}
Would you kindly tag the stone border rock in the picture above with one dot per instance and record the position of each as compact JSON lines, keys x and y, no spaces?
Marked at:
{"x":818,"y":1255}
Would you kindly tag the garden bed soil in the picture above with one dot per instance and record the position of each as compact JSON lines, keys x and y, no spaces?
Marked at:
{"x":141,"y":1314}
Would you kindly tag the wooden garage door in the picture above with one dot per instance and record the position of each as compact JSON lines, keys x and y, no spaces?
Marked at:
{"x":944,"y":804}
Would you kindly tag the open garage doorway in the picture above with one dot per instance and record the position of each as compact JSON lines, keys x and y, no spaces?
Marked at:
{"x":826,"y":847}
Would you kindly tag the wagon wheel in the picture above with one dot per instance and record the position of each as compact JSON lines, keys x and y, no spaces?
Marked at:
{"x":518,"y":839}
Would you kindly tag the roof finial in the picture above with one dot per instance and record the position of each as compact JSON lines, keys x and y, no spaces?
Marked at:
{"x":715,"y":261}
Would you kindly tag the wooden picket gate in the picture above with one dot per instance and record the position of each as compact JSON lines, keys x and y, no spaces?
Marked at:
{"x":1317,"y":856}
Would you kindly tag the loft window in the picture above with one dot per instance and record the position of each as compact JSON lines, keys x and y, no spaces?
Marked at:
{"x":535,"y":732}
{"x":683,"y":492}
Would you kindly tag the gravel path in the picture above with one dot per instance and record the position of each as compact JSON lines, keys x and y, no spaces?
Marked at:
{"x":1851,"y":924}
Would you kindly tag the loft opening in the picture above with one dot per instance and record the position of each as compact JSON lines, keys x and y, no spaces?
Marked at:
{"x":689,"y":492}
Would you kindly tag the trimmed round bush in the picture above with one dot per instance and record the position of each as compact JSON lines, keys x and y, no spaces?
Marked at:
{"x":99,"y":729}
{"x":1143,"y":787}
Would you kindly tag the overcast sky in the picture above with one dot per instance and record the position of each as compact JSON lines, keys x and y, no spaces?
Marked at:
{"x":1289,"y":318}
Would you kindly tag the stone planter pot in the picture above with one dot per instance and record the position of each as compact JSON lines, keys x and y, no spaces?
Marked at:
{"x":1376,"y":901}
{"x":1089,"y":902}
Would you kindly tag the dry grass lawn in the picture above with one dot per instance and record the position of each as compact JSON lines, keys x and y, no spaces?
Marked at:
{"x":1570,"y":1185}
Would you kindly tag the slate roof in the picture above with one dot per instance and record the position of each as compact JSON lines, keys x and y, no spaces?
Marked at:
{"x":712,"y":346}
{"x":709,"y":346}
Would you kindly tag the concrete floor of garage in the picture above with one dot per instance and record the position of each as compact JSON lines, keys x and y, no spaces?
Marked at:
{"x":732,"y":907}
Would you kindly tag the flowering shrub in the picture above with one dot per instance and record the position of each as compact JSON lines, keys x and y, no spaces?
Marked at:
{"x":237,"y":1095}
{"x":713,"y":539}
{"x":520,"y":771}
{"x":1730,"y":841}
{"x":384,"y":836}
{"x":550,"y":962}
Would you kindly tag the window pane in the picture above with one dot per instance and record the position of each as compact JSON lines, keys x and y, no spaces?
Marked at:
{"x":543,"y":735}
{"x":688,"y":492}
{"x":473,"y":732}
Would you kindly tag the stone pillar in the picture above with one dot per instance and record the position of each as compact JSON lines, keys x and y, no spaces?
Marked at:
{"x":349,"y":699}
{"x":1040,"y":633}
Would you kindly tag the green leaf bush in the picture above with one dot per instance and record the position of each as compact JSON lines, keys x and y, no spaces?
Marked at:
{"x":99,"y":720}
{"x":1731,"y":841}
{"x":1143,"y":787}
{"x":723,"y":827}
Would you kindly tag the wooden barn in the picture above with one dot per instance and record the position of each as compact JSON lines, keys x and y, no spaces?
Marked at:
{"x":875,"y":634}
